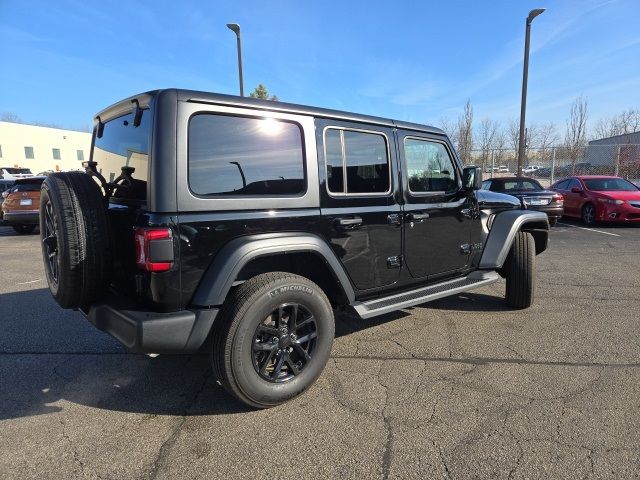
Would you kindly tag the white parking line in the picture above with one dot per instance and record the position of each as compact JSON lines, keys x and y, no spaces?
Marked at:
{"x":27,"y":283}
{"x":589,"y":229}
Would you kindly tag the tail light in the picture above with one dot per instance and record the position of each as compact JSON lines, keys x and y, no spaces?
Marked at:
{"x":557,"y":198}
{"x":154,"y":249}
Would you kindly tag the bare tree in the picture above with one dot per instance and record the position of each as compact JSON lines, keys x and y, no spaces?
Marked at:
{"x":575,"y":137}
{"x":464,"y":131}
{"x":499,"y":144}
{"x":547,"y":138}
{"x":448,"y":127}
{"x":487,"y":130}
{"x":513,"y":134}
{"x":10,"y":117}
{"x":623,"y":123}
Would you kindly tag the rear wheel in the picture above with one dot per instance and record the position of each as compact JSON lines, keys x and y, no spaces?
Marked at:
{"x":519,"y":271}
{"x":24,"y":229}
{"x":273,"y":339}
{"x":588,"y":214}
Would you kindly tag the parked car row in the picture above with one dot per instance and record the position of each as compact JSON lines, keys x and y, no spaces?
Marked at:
{"x":593,"y":198}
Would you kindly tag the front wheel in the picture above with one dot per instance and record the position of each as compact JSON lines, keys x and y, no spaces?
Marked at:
{"x":588,"y":214}
{"x":24,"y":229}
{"x":519,"y":271}
{"x":273,"y":340}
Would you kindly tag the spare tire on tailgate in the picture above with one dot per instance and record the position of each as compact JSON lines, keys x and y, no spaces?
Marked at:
{"x":75,"y":239}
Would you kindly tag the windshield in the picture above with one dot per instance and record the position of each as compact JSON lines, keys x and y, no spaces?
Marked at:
{"x":610,"y":185}
{"x":17,"y":171}
{"x":122,"y":144}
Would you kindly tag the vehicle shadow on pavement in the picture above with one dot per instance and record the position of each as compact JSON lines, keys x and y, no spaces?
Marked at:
{"x":50,"y":357}
{"x":470,"y":302}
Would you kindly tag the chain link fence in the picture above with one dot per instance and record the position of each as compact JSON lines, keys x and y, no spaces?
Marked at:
{"x":548,"y":165}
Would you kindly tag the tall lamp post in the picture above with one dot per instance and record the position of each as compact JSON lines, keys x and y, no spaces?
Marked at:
{"x":236,"y":28}
{"x":525,"y":77}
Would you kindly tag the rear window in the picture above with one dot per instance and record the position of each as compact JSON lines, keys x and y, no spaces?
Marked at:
{"x":245,"y":156}
{"x":122,"y":144}
{"x":27,"y":187}
{"x":516,"y":186}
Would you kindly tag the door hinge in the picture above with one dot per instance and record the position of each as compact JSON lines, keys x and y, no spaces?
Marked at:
{"x":394,"y":262}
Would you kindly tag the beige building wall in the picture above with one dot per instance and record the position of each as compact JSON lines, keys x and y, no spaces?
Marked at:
{"x":14,"y":137}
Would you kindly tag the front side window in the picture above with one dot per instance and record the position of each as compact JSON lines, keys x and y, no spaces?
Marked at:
{"x":56,"y":153}
{"x":28,"y":152}
{"x":357,"y":162}
{"x":245,"y":156}
{"x":429,"y":166}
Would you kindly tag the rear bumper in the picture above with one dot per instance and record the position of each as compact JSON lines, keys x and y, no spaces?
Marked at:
{"x":141,"y":331}
{"x":29,"y":217}
{"x":551,"y":211}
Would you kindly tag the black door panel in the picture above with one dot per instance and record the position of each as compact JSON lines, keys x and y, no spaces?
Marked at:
{"x":438,"y":213}
{"x":364,"y":239}
{"x":361,"y":214}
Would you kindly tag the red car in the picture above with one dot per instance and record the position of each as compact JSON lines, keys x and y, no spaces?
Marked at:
{"x":600,"y":199}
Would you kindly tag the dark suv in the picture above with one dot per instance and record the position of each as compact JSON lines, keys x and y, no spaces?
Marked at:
{"x":240,"y":225}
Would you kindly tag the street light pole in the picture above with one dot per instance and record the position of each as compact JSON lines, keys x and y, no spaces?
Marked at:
{"x":525,"y":77}
{"x":236,"y":28}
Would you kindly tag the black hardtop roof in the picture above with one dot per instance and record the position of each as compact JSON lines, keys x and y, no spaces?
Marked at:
{"x":234,"y":100}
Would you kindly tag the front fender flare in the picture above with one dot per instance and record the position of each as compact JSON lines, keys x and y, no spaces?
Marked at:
{"x":228,"y":263}
{"x":503,"y":231}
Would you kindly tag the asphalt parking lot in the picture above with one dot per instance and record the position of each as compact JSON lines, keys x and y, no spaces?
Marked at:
{"x":458,"y":388}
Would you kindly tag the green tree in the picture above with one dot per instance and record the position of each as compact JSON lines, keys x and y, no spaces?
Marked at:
{"x":261,"y":92}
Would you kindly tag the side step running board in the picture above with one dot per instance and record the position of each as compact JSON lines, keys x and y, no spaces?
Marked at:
{"x":380,"y":306}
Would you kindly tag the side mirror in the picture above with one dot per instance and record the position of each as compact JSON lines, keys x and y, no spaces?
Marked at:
{"x":576,"y":190}
{"x":472,"y":178}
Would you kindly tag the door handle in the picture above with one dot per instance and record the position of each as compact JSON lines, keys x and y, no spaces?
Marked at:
{"x":349,"y":222}
{"x":393,"y":219}
{"x":417,"y":216}
{"x":466,"y":213}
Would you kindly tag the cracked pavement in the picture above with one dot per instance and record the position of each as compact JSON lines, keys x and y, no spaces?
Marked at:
{"x":459,"y":388}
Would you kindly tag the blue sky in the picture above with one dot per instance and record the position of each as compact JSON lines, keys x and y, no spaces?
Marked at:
{"x":63,"y":61}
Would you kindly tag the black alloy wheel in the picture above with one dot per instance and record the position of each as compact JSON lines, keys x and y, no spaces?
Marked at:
{"x":50,"y":243}
{"x":284,"y":342}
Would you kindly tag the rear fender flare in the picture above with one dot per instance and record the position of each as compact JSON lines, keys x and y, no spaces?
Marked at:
{"x":223,"y":271}
{"x":503,"y":231}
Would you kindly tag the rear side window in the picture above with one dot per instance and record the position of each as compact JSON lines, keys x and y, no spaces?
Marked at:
{"x":231,"y":155}
{"x":429,"y":166}
{"x":562,"y":185}
{"x":357,"y":162}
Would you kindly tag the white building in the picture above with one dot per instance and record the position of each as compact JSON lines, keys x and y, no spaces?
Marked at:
{"x":42,"y":148}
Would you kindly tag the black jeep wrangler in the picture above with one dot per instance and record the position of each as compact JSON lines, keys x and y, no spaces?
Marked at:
{"x":240,"y":225}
